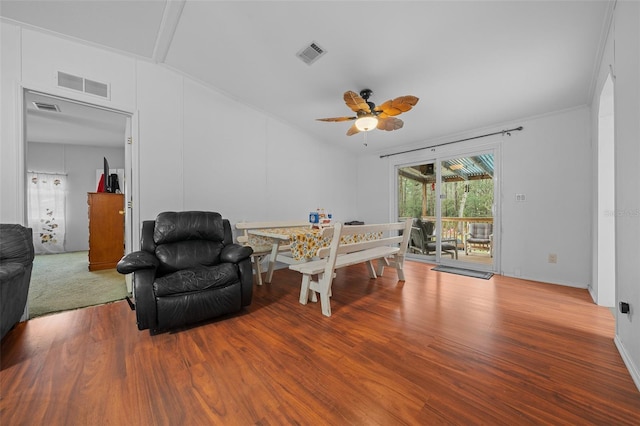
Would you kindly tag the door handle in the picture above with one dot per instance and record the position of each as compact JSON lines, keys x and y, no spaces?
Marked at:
{"x":120,"y":211}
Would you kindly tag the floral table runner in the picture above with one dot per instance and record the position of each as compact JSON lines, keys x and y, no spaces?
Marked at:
{"x":305,"y":242}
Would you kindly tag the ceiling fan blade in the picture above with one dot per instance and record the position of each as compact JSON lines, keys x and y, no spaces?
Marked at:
{"x":336,"y":119}
{"x":355,"y":102}
{"x":389,"y":123}
{"x":352,"y":130}
{"x":397,"y":106}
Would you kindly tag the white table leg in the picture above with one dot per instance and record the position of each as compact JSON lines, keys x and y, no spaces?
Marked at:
{"x":272,"y":260}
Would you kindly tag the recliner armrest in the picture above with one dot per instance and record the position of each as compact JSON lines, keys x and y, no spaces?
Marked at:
{"x":10,"y":270}
{"x":234,"y":253}
{"x":136,"y":261}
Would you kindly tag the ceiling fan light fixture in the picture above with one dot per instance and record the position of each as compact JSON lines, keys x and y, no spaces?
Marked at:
{"x":366,"y":123}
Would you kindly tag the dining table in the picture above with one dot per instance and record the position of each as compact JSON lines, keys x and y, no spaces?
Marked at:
{"x":303,"y":242}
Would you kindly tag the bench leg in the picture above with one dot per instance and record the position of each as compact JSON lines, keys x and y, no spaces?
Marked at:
{"x":382,"y":262}
{"x":399,"y":264}
{"x":325,"y":294}
{"x":304,"y":289}
{"x":372,"y":272}
{"x":325,"y":303}
{"x":323,"y":287}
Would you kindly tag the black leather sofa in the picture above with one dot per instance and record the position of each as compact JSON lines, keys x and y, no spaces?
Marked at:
{"x":16,"y":263}
{"x":188,"y":270}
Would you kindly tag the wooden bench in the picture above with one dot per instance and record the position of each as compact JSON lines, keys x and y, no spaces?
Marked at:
{"x":260,"y":252}
{"x":388,"y":251}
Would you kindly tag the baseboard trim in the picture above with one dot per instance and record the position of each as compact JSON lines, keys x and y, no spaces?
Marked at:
{"x":633,"y":369}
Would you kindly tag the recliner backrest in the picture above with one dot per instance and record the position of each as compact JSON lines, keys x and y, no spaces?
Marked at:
{"x":189,"y":239}
{"x":192,"y":225}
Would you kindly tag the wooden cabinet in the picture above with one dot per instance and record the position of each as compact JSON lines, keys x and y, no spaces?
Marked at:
{"x":106,"y":229}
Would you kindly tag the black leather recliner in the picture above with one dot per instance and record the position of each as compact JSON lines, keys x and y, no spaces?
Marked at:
{"x":16,"y":263}
{"x":188,"y":270}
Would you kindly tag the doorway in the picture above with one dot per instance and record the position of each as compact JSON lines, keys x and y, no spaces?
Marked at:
{"x":605,"y":276}
{"x":452,"y":203}
{"x":71,"y":138}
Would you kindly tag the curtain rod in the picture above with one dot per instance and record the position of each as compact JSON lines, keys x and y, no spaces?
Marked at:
{"x":502,"y":132}
{"x":47,"y":173}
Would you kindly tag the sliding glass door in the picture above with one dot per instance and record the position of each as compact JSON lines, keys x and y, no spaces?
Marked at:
{"x":451,"y":201}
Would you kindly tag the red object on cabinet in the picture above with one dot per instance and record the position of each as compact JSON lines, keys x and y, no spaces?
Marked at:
{"x":101,"y":184}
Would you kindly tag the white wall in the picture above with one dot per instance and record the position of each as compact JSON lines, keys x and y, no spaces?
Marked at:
{"x":159,"y":141}
{"x":31,"y":59}
{"x":194,"y":148}
{"x":374,"y":189}
{"x":201,"y":150}
{"x":626,"y":69}
{"x":11,"y":211}
{"x":253,"y":167}
{"x":550,"y":162}
{"x":79,"y":163}
{"x":43,"y":56}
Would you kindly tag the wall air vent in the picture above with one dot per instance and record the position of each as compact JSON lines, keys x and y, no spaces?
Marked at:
{"x":70,"y":81}
{"x":85,"y":85}
{"x":46,"y":107}
{"x":311,"y":53}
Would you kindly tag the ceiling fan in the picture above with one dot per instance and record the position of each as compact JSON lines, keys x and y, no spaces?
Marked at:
{"x":369,"y":116}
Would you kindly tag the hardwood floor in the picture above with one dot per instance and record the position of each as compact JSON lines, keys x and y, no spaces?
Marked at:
{"x":436,"y":349}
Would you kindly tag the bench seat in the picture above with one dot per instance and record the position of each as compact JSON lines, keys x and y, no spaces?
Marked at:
{"x":317,"y":266}
{"x":388,"y":251}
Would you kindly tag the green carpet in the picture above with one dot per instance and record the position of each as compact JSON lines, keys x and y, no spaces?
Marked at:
{"x":62,"y":282}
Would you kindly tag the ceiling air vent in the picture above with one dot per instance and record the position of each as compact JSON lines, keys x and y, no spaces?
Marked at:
{"x":46,"y":107}
{"x":85,"y":85}
{"x":311,"y":53}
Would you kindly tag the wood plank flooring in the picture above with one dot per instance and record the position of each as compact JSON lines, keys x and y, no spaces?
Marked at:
{"x":436,"y":349}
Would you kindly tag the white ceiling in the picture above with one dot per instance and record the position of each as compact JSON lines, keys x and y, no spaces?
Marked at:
{"x":473,"y":64}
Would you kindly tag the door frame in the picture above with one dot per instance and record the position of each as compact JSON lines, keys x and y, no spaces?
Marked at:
{"x":436,"y":155}
{"x":603,"y":288}
{"x":132,"y":214}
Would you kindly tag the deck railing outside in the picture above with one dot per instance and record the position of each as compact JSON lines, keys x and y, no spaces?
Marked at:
{"x":455,"y":228}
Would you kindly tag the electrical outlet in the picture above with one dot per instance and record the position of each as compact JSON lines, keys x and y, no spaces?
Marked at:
{"x":553,"y":258}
